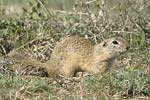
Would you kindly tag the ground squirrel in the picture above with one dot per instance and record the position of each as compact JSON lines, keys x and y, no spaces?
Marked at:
{"x":79,"y":54}
{"x":76,"y":53}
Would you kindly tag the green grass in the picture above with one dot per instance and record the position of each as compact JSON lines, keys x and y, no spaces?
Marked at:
{"x":125,"y":83}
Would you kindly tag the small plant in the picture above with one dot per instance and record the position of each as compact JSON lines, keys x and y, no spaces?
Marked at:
{"x":127,"y":83}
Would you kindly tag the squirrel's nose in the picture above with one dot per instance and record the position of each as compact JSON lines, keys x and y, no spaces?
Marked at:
{"x":127,"y":47}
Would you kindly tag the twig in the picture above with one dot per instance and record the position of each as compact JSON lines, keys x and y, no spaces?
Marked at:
{"x":122,"y":32}
{"x":3,"y":49}
{"x":44,"y":7}
{"x":71,"y":13}
{"x":90,"y":2}
{"x":27,"y":43}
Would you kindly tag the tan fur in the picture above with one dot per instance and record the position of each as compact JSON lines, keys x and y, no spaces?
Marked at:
{"x":79,"y":54}
{"x":76,"y":53}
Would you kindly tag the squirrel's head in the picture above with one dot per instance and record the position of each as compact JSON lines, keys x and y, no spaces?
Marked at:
{"x":115,"y":46}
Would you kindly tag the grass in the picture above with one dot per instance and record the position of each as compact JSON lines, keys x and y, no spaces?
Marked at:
{"x":37,"y":30}
{"x":125,"y":83}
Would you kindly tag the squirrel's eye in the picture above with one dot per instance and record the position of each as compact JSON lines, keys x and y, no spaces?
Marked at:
{"x":115,"y":42}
